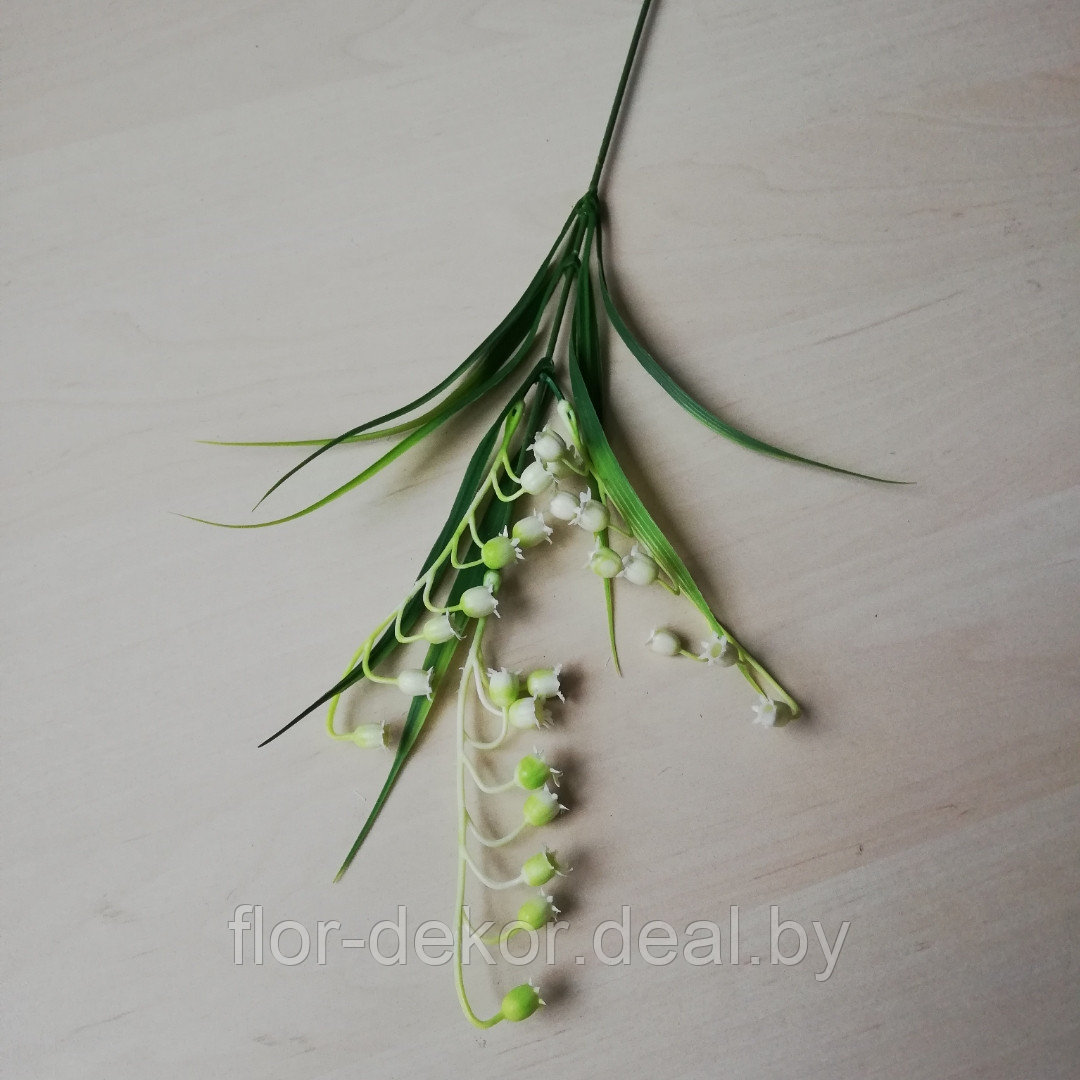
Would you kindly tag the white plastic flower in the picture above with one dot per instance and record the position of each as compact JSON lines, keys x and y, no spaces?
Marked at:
{"x":504,"y":687}
{"x":719,"y":650}
{"x":438,"y":629}
{"x":605,"y":562}
{"x":528,"y":712}
{"x":591,"y":515}
{"x":563,"y":506}
{"x":369,"y":735}
{"x":479,"y":602}
{"x":415,"y":682}
{"x":639,"y":567}
{"x":665,"y":642}
{"x":770,"y":713}
{"x":548,"y":445}
{"x":544,"y":683}
{"x":532,"y":530}
{"x":535,"y":478}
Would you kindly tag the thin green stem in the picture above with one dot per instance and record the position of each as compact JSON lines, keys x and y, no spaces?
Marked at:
{"x":601,"y":157}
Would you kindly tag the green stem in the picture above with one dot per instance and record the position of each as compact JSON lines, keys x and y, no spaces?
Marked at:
{"x":601,"y":157}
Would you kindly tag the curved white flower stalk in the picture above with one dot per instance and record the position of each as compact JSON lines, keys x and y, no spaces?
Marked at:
{"x":540,"y":808}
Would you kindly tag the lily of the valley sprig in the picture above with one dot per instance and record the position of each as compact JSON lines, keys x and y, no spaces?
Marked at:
{"x":544,"y":464}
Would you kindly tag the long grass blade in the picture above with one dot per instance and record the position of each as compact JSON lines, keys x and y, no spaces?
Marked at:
{"x":691,"y":404}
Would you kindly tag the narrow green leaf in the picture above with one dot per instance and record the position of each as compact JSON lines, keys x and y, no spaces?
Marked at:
{"x":691,"y":404}
{"x":620,"y":491}
{"x":474,"y":394}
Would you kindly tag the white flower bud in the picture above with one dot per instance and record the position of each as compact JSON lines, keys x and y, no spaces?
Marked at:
{"x":639,"y":568}
{"x":532,"y":530}
{"x":605,"y":563}
{"x":544,"y":682}
{"x":563,"y":505}
{"x":772,"y":713}
{"x":548,"y":445}
{"x":720,"y":650}
{"x":415,"y":682}
{"x":528,"y":712}
{"x":479,"y":602}
{"x":535,"y":478}
{"x":665,"y":642}
{"x":503,"y":687}
{"x":591,"y":515}
{"x":438,"y":629}
{"x":369,"y":735}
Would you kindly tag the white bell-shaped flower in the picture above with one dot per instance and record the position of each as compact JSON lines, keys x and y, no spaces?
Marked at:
{"x":769,"y":713}
{"x":415,"y":682}
{"x":548,"y":445}
{"x":604,"y":562}
{"x":479,"y":602}
{"x":439,"y":629}
{"x":720,"y":649}
{"x":528,"y":712}
{"x":665,"y":642}
{"x":532,"y":530}
{"x":563,"y":506}
{"x":535,"y":478}
{"x":639,"y":567}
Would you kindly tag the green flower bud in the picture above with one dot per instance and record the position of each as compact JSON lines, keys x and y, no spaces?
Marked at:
{"x":492,"y":580}
{"x":540,"y":868}
{"x":521,"y":1002}
{"x":544,"y":682}
{"x":478,"y":602}
{"x":541,"y":807}
{"x":537,"y":912}
{"x":504,"y":687}
{"x":369,"y":735}
{"x":500,"y":551}
{"x":605,"y":563}
{"x":532,"y":772}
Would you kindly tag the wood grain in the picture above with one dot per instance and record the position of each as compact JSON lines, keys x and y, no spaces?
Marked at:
{"x":849,"y":227}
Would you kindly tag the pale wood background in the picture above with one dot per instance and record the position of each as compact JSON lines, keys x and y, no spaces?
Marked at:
{"x":850,"y":226}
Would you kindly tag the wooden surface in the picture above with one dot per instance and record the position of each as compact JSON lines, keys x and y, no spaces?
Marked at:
{"x":850,"y":227}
